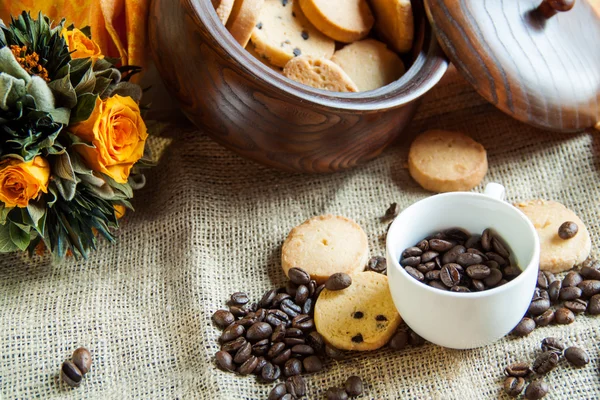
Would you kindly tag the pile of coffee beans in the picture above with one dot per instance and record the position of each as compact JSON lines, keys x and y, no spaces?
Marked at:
{"x":552,"y":351}
{"x":577,"y":293}
{"x":73,"y":371}
{"x":276,"y":337}
{"x":457,"y":261}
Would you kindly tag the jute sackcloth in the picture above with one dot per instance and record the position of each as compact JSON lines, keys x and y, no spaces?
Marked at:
{"x":210,"y":223}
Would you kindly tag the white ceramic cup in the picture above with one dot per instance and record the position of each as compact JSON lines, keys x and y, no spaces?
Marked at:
{"x":463,"y":320}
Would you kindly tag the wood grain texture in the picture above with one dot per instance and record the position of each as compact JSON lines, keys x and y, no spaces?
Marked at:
{"x":260,"y":114}
{"x":542,"y":71}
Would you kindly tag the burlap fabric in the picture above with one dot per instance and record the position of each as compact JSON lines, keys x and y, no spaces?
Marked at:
{"x":210,"y":223}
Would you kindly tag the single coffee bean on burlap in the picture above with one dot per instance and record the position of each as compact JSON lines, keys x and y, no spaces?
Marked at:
{"x":577,"y":306}
{"x":554,"y":291}
{"x":248,"y":366}
{"x":239,"y":298}
{"x":440,"y":245}
{"x":536,"y":390}
{"x":525,"y":327}
{"x":259,"y":331}
{"x":333,"y":353}
{"x":312,"y":364}
{"x":70,"y":374}
{"x":539,"y":305}
{"x":573,"y":278}
{"x":354,"y":386}
{"x":468,"y":259}
{"x":568,"y":230}
{"x":259,"y":365}
{"x":391,"y":212}
{"x":519,"y":369}
{"x":570,"y":293}
{"x":564,"y":316}
{"x":451,"y":255}
{"x":224,"y":361}
{"x":223,"y":318}
{"x":493,"y":278}
{"x":577,"y":356}
{"x":594,"y":305}
{"x":412,"y":252}
{"x":261,"y":347}
{"x":234,"y":345}
{"x":428,"y":256}
{"x":378,"y":264}
{"x":399,"y":341}
{"x":232,"y":332}
{"x":243,"y":353}
{"x":270,"y":372}
{"x":552,"y":344}
{"x":545,"y":362}
{"x":298,"y":276}
{"x":589,"y":288}
{"x":478,"y":271}
{"x":450,"y":275}
{"x":545,"y":318}
{"x":267,"y":299}
{"x":336,"y":394}
{"x":292,"y":367}
{"x":514,"y":386}
{"x":288,"y":396}
{"x":82,"y":359}
{"x":296,"y":385}
{"x":338,"y":281}
{"x":277,"y":392}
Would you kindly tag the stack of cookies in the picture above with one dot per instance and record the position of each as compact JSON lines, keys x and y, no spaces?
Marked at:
{"x":325,"y":43}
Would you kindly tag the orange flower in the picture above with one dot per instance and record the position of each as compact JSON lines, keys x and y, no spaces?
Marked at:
{"x":80,"y":45}
{"x":119,"y":211}
{"x":22,"y":181}
{"x":118,"y":132}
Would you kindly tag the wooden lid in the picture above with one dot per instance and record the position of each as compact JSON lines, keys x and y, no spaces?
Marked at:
{"x":538,"y":61}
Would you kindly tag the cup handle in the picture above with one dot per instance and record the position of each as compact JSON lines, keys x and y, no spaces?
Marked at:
{"x":495,"y":190}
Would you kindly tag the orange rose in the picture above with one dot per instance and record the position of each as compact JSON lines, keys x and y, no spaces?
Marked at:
{"x":22,"y":181}
{"x":80,"y":45}
{"x":118,"y":132}
{"x":119,"y":211}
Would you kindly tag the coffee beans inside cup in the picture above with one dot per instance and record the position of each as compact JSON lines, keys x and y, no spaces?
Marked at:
{"x":461,"y":262}
{"x":72,"y":371}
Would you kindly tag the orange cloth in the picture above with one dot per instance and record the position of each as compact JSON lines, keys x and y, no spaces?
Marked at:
{"x":118,"y":26}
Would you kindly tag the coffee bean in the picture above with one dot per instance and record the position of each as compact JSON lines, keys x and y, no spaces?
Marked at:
{"x":239,"y":298}
{"x":457,"y":234}
{"x":261,"y":347}
{"x":334,"y":393}
{"x":570,"y":293}
{"x":524,"y":328}
{"x":243,"y":353}
{"x":70,"y":374}
{"x":577,"y":356}
{"x":451,"y":255}
{"x":312,"y":364}
{"x":354,"y":386}
{"x":427,"y":267}
{"x":399,"y":341}
{"x":278,"y":333}
{"x":298,"y":276}
{"x":261,"y":362}
{"x":279,"y":298}
{"x":545,"y":318}
{"x":307,"y":307}
{"x":493,"y":278}
{"x":260,"y":315}
{"x":542,"y":280}
{"x":511,"y":272}
{"x":536,"y":390}
{"x":232,"y":332}
{"x":590,"y":273}
{"x":259,"y":331}
{"x":438,"y":285}
{"x":224,"y":361}
{"x":379,"y":264}
{"x":303,"y":350}
{"x":414,"y":339}
{"x":234,"y":345}
{"x":293,"y":366}
{"x":433,"y":275}
{"x":410,"y":261}
{"x":248,"y":366}
{"x":499,"y":248}
{"x":568,"y":230}
{"x":276,"y":349}
{"x":428,"y":256}
{"x":486,"y":239}
{"x":539,"y":306}
{"x":270,"y":372}
{"x":304,"y":322}
{"x":552,"y":344}
{"x":247,"y":321}
{"x":440,"y":245}
{"x":291,"y":288}
{"x":238,"y":311}
{"x":545,"y":362}
{"x":282,"y":357}
{"x":294,"y":332}
{"x":412,"y":252}
{"x":502,"y":282}
{"x":479,"y":253}
{"x":450,"y":275}
{"x":292,"y":341}
{"x":572,"y":279}
{"x":496,"y":257}
{"x":318,"y":291}
{"x":277,"y":317}
{"x":577,"y":306}
{"x":467,"y":259}
{"x":554,"y":291}
{"x":312,"y":287}
{"x":290,"y":308}
{"x":474,"y":242}
{"x":492,"y":264}
{"x":594,"y":305}
{"x":267,"y":299}
{"x":223,"y":318}
{"x":479,"y":271}
{"x":82,"y":359}
{"x":416,"y":274}
{"x":391,"y":212}
{"x":333,"y":353}
{"x":514,"y":386}
{"x":423,"y":245}
{"x":477,"y":285}
{"x":519,"y":369}
{"x":564,"y":316}
{"x":460,"y":289}
{"x":338,"y":281}
{"x":589,"y":288}
{"x":296,"y":386}
{"x":277,"y":392}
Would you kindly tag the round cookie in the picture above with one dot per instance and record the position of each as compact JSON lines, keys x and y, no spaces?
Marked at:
{"x":556,"y":254}
{"x":444,"y":161}
{"x":244,"y":16}
{"x":394,"y":23}
{"x":223,"y":9}
{"x":283,"y":32}
{"x":319,"y":73}
{"x":343,"y":20}
{"x":360,"y":317}
{"x":250,"y":49}
{"x":325,"y":245}
{"x":369,"y":63}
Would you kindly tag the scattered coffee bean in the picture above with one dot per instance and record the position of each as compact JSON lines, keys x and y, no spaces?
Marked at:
{"x":333,"y":353}
{"x":289,"y":396}
{"x":243,"y":353}
{"x":239,"y":298}
{"x":542,"y":280}
{"x":82,"y":359}
{"x":298,"y":276}
{"x":570,"y":293}
{"x":232,"y":332}
{"x":391,"y":212}
{"x":539,"y":304}
{"x":568,"y":230}
{"x":248,"y":366}
{"x":573,"y":278}
{"x":519,"y":369}
{"x":399,"y":341}
{"x":277,"y":392}
{"x":238,"y":311}
{"x":536,"y":390}
{"x":525,"y":327}
{"x":223,"y":318}
{"x":259,"y":331}
{"x":354,"y":386}
{"x":303,"y":350}
{"x":552,"y":344}
{"x":234,"y":345}
{"x":312,"y":364}
{"x":336,"y":394}
{"x":577,"y":356}
{"x":554,"y":291}
{"x":315,"y":340}
{"x":415,"y":340}
{"x":270,"y":372}
{"x":578,"y":306}
{"x":338,"y":281}
{"x":594,"y":305}
{"x":545,"y":318}
{"x":70,"y":374}
{"x":545,"y":362}
{"x":225,"y":361}
{"x":292,"y":367}
{"x":564,"y":316}
{"x":261,"y":362}
{"x":378,"y":264}
{"x":590,"y":273}
{"x":589,"y":288}
{"x":267,"y":299}
{"x":296,"y":386}
{"x":514,"y":386}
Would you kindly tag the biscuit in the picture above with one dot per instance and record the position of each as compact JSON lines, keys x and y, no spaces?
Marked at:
{"x":556,"y":254}
{"x":369,"y":63}
{"x":223,"y":9}
{"x":244,"y":16}
{"x":283,"y":32}
{"x":360,"y":317}
{"x":319,"y":73}
{"x":443,"y":161}
{"x":325,"y":245}
{"x":394,"y":23}
{"x":342,"y":20}
{"x":250,"y":49}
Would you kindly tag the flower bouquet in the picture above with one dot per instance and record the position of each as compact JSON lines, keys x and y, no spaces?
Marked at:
{"x":72,"y":139}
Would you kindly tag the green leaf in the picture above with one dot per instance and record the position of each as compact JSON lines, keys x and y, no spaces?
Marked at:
{"x":11,"y":91}
{"x":61,"y":166}
{"x":37,"y":212}
{"x":61,"y":115}
{"x":101,"y":85}
{"x":39,"y":90}
{"x":79,"y":67}
{"x":84,"y":108}
{"x":9,"y":65}
{"x":127,"y":89}
{"x":64,"y":187}
{"x":79,"y":166}
{"x":6,"y":244}
{"x":19,"y":238}
{"x":64,"y":92}
{"x":4,"y":213}
{"x":87,"y":83}
{"x":125,"y":188}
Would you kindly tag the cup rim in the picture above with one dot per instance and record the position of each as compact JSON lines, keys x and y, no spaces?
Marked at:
{"x":471,"y":295}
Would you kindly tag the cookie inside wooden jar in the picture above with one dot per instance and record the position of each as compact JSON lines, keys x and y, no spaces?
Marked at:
{"x":343,"y":45}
